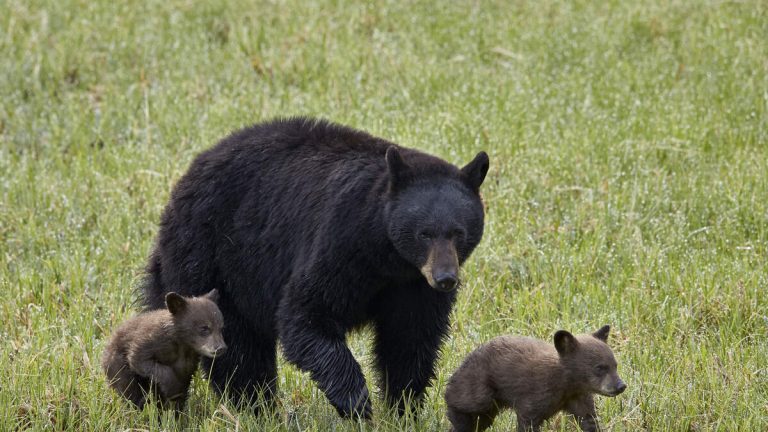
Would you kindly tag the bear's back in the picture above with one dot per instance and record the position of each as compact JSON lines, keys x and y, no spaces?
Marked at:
{"x":285,"y":167}
{"x":305,"y":152}
{"x":299,"y":142}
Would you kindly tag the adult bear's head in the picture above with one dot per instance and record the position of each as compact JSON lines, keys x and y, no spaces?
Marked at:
{"x":434,"y":212}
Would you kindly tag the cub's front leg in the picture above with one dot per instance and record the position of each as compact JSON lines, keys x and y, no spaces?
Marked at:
{"x":583,"y":409}
{"x":162,"y":377}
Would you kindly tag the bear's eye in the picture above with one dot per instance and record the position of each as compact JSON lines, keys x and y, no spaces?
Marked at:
{"x":426,"y":235}
{"x":457,"y":233}
{"x":601,"y":369}
{"x":205,"y":330}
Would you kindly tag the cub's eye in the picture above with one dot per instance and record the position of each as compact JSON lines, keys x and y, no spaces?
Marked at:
{"x":426,"y":235}
{"x":205,"y":330}
{"x":601,"y":369}
{"x":457,"y":233}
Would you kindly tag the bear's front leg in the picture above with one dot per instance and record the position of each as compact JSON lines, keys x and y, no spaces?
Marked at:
{"x":528,"y":424}
{"x":315,"y":342}
{"x":411,"y":322}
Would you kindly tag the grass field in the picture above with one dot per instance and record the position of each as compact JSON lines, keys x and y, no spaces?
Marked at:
{"x":628,"y":185}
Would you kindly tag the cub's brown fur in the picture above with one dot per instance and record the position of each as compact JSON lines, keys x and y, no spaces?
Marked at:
{"x":158,"y":352}
{"x":534,"y":378}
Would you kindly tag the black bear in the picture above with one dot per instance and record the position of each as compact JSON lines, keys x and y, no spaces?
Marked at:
{"x":535,"y":378}
{"x":159,"y":351}
{"x":311,"y":229}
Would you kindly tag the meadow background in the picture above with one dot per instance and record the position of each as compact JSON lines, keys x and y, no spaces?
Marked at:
{"x":629,"y":151}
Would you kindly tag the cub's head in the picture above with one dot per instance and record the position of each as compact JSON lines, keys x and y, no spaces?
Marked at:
{"x":590,"y":362}
{"x":434,"y":212}
{"x":198,"y":322}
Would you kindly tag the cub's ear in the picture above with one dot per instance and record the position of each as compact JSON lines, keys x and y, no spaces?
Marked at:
{"x":565,"y":342}
{"x":175,"y":303}
{"x":213,"y":295}
{"x":602,"y":334}
{"x":476,"y":170}
{"x":396,"y":167}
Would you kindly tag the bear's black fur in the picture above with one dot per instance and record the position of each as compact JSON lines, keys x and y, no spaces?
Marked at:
{"x":311,"y":229}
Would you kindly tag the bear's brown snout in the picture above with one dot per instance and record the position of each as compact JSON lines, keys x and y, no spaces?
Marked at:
{"x":442,"y":267}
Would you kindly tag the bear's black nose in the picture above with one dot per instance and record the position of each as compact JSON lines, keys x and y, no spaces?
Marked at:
{"x":220,"y":350}
{"x":446,"y":281}
{"x":621,"y":387}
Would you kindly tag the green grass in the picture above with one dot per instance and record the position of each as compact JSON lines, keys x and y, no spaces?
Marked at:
{"x":628,"y":185}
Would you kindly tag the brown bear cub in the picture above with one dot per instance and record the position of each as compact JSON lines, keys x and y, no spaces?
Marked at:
{"x":157,"y":352}
{"x":534,"y":378}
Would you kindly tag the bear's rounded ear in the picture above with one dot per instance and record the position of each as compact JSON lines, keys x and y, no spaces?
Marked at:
{"x":565,"y":342}
{"x":475,"y":171}
{"x":602,"y":334}
{"x":175,"y":303}
{"x":396,"y":167}
{"x":213,"y":295}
